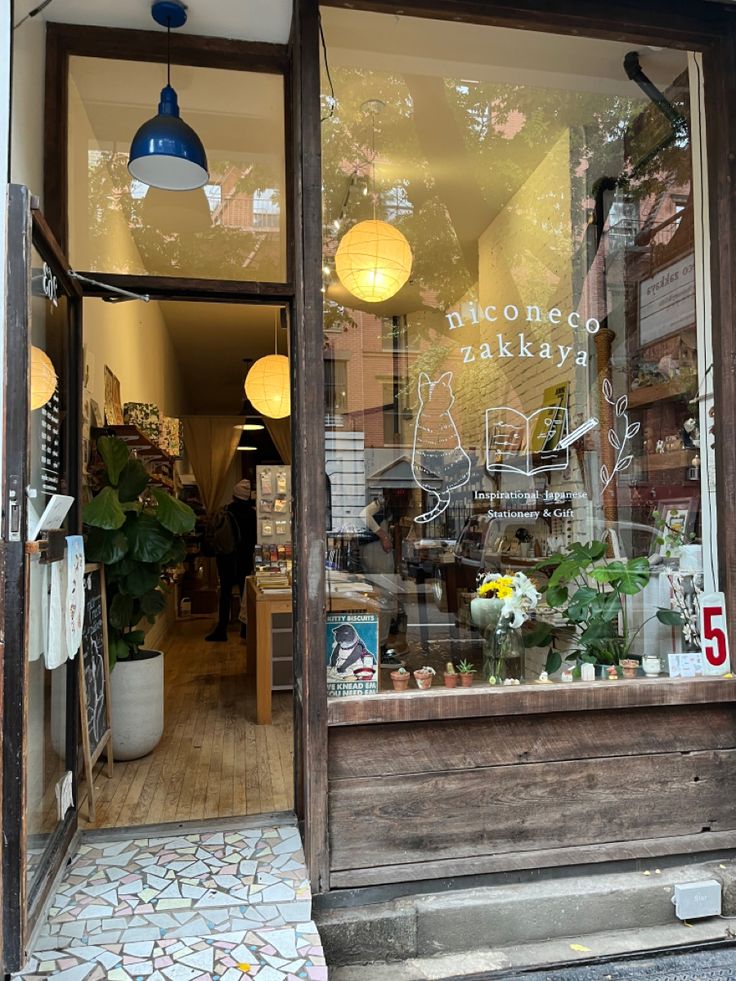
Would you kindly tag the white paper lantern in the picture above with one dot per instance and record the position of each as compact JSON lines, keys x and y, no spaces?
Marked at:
{"x":267,"y":386}
{"x":43,"y":378}
{"x":373,"y":260}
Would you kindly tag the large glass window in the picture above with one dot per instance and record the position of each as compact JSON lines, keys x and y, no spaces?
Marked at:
{"x":512,"y":240}
{"x":232,"y":228}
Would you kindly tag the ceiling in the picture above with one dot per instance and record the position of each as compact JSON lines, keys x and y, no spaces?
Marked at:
{"x":211,"y":342}
{"x":251,"y":20}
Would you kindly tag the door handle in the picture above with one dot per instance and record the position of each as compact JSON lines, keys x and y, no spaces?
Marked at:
{"x":14,"y":509}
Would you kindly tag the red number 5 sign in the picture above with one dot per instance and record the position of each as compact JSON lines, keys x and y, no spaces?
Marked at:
{"x":714,"y":633}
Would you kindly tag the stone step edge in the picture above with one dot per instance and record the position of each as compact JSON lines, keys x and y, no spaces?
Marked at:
{"x":558,"y":954}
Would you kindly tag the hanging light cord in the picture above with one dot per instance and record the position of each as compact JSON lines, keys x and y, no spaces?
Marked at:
{"x":32,"y":13}
{"x":331,"y":113}
{"x":168,"y":51}
{"x":373,"y":160}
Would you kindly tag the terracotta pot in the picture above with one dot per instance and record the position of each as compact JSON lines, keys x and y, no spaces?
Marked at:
{"x":630,"y":667}
{"x":400,"y":681}
{"x":467,"y":679}
{"x":423,"y":679}
{"x":450,"y":680}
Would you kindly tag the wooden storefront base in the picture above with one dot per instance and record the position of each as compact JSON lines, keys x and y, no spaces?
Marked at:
{"x":534,"y":780}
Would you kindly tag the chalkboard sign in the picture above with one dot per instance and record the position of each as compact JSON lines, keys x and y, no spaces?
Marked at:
{"x":94,"y":679}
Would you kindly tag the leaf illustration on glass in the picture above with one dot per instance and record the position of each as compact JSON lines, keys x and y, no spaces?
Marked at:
{"x":623,"y":459}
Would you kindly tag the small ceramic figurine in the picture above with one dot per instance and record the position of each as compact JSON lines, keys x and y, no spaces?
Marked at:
{"x":612,"y":673}
{"x":566,"y":675}
{"x":544,"y":679}
{"x":691,"y":436}
{"x":587,"y":671}
{"x":660,"y":446}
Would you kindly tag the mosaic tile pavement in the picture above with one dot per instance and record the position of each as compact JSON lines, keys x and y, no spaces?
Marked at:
{"x":288,"y":954}
{"x":223,"y":905}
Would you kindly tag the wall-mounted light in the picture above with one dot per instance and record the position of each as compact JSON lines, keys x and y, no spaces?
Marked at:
{"x":165,"y":151}
{"x":43,"y":378}
{"x":246,"y":449}
{"x":250,"y":427}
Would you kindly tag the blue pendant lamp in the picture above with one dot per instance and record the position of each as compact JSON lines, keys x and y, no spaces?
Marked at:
{"x":165,"y":152}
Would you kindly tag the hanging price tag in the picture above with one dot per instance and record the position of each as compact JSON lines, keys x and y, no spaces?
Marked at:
{"x":714,"y":634}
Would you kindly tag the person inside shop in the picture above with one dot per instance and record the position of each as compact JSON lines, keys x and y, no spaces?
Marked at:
{"x":376,"y":549}
{"x":233,"y":540}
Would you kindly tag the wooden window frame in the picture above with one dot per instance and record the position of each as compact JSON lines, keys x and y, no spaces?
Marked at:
{"x":64,"y":41}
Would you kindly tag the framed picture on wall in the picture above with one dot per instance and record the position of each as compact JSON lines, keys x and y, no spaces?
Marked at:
{"x":679,"y":515}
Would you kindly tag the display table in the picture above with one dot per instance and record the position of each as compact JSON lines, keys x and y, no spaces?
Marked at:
{"x":260,"y":609}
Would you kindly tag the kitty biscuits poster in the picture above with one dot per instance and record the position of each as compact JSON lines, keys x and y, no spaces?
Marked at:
{"x":352,"y":653}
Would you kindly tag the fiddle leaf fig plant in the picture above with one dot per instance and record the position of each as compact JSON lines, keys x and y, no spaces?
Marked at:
{"x":136,"y":531}
{"x":590,"y":591}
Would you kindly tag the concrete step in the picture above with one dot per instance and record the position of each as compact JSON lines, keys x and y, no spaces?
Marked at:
{"x":505,"y":961}
{"x":508,"y":916}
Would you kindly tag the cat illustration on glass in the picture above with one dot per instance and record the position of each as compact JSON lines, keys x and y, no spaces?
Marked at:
{"x":439,"y":463}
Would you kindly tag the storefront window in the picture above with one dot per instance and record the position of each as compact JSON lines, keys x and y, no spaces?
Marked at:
{"x":232,"y":228}
{"x":538,"y":377}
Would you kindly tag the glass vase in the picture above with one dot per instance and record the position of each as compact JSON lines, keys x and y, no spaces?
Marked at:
{"x":503,"y":652}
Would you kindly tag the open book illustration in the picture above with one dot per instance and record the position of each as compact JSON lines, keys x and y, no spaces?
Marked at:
{"x":530,"y":444}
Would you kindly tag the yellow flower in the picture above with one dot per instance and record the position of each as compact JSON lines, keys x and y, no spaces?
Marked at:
{"x":503,"y":592}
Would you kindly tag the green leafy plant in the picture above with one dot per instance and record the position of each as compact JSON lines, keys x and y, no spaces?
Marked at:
{"x":590,"y":591}
{"x":465,"y":667}
{"x":134,"y":529}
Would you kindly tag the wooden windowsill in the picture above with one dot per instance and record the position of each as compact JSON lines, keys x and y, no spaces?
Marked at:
{"x":479,"y":702}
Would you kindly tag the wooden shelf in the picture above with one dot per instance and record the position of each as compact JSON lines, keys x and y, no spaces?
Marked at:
{"x":641,"y":397}
{"x":482,"y":701}
{"x":675,"y":460}
{"x":144,"y":447}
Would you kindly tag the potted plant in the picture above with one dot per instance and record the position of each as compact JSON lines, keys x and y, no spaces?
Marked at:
{"x":423,"y":676}
{"x":450,"y":675}
{"x":629,"y":666}
{"x":590,"y":590}
{"x":400,"y":679}
{"x":466,"y":671}
{"x":136,"y":531}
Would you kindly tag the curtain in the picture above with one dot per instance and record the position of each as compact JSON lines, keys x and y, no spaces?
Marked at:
{"x":280,"y":432}
{"x":210,"y":442}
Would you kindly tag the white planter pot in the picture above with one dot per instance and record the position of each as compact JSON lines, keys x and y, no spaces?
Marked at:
{"x":137,"y":706}
{"x":485,"y":612}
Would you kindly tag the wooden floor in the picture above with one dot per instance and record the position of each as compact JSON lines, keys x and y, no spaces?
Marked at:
{"x":213,"y":761}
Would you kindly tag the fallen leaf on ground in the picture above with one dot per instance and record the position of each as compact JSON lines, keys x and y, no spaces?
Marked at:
{"x":578,"y":947}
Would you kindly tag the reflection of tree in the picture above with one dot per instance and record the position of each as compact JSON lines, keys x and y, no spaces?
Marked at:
{"x":218,"y":251}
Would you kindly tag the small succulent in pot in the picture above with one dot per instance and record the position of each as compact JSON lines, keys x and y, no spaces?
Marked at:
{"x":423,"y":676}
{"x":451,"y":675}
{"x":466,"y":670}
{"x":400,"y":679}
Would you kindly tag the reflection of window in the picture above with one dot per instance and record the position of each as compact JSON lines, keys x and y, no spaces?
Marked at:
{"x":336,"y":387}
{"x":266,"y":212}
{"x":393,"y":332}
{"x":392,"y":414}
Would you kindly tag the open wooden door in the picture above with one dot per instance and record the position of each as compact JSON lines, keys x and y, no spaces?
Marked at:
{"x":308,"y":438}
{"x":41,"y":451}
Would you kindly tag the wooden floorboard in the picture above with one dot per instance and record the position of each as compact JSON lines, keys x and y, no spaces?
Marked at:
{"x":213,"y":761}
